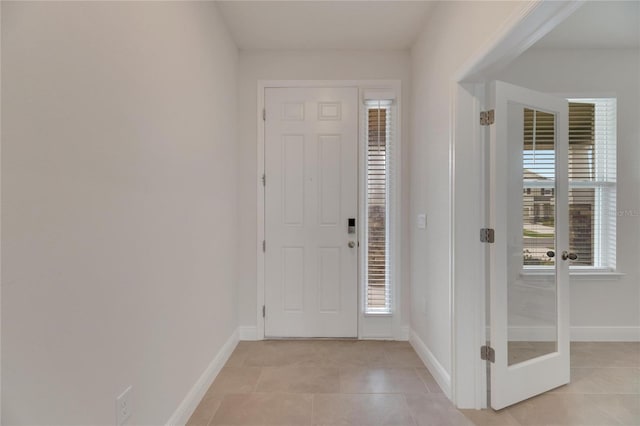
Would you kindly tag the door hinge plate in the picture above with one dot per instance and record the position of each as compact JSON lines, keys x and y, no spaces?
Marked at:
{"x":487,"y":353}
{"x":264,"y":311}
{"x":264,"y":246}
{"x":487,"y":117}
{"x":264,"y":179}
{"x":264,"y":114}
{"x":487,"y":235}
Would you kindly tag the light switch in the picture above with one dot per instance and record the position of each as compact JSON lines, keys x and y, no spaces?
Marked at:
{"x":422,"y":221}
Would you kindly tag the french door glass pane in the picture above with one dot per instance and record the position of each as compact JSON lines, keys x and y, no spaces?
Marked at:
{"x":532,"y":309}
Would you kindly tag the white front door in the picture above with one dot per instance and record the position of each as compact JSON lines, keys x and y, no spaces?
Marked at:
{"x":311,"y":192}
{"x":529,"y":267}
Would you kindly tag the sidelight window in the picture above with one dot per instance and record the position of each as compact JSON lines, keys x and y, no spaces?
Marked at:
{"x":379,"y":123}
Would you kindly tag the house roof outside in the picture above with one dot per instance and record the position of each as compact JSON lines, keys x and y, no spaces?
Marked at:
{"x":530,"y":175}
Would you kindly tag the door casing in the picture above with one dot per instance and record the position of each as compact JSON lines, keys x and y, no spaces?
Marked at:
{"x":468,"y":382}
{"x":369,"y":326}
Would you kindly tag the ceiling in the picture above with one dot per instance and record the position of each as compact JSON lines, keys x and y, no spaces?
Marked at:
{"x":379,"y":25}
{"x":324,"y":24}
{"x":597,"y":24}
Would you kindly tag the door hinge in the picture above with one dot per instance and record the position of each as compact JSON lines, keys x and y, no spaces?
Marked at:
{"x":264,"y":179}
{"x":487,"y":117}
{"x":264,"y":114}
{"x":264,"y":246}
{"x":487,"y":235}
{"x":264,"y":311}
{"x":487,"y":353}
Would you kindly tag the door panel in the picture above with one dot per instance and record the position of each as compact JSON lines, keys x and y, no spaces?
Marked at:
{"x":311,"y":143}
{"x":529,"y":285}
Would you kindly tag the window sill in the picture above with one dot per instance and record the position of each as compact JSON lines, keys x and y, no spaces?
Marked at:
{"x":578,"y":274}
{"x":377,"y":314}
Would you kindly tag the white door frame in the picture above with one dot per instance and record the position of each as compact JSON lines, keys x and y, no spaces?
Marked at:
{"x":467,"y":191}
{"x":392,"y":322}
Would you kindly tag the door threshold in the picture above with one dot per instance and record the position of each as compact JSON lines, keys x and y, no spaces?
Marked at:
{"x":349,"y":339}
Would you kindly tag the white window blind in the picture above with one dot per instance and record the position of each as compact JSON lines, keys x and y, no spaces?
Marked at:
{"x":592,"y":184}
{"x":379,"y":124}
{"x":538,"y":199}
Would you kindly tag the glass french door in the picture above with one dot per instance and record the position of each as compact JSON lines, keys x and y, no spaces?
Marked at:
{"x":529,"y":260}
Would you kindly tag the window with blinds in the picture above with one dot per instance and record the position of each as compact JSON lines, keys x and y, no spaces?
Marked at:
{"x":592,"y":184}
{"x":378,"y":122}
{"x":538,"y":199}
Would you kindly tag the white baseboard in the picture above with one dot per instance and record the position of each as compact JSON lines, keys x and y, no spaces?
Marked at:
{"x":197,"y":392}
{"x":578,"y":334}
{"x":400,"y":333}
{"x":433,"y":365}
{"x":605,"y":334}
{"x":248,"y":332}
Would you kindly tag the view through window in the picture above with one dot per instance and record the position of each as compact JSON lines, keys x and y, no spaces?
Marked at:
{"x":378,"y":132}
{"x":592,"y":185}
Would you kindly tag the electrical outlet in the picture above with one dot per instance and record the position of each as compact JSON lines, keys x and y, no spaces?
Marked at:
{"x":123,"y":407}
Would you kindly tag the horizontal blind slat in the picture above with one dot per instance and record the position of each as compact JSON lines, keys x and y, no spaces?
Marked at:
{"x":592,"y":175}
{"x":377,"y":164}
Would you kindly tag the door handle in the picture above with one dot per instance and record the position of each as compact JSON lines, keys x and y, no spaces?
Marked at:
{"x":351,"y":244}
{"x":571,"y":256}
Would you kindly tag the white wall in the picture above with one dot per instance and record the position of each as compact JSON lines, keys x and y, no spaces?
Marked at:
{"x":455,"y":31}
{"x":118,"y":206}
{"x":297,"y":65}
{"x":596,"y":303}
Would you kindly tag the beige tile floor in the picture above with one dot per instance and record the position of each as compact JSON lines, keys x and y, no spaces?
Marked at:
{"x":369,"y":383}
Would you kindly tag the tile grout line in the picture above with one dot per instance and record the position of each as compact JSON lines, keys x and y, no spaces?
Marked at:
{"x":255,"y":387}
{"x":210,"y":423}
{"x":610,"y":414}
{"x":426,"y":385}
{"x":613,"y":415}
{"x":406,"y":403}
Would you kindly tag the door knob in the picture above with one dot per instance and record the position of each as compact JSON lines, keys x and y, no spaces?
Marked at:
{"x":351,"y":244}
{"x":571,"y":256}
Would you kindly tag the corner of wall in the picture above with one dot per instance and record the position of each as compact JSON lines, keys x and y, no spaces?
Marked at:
{"x":439,"y":373}
{"x":190,"y":402}
{"x":248,"y":333}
